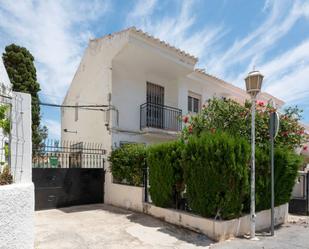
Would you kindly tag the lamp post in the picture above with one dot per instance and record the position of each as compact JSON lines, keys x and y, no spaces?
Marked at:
{"x":253,"y":86}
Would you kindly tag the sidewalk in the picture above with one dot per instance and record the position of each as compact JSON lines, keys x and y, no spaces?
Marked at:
{"x":294,"y":234}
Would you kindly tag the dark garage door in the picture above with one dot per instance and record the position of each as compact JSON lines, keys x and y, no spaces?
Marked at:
{"x":67,"y":174}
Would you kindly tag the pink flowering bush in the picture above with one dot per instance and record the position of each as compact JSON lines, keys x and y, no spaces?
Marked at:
{"x":230,"y":116}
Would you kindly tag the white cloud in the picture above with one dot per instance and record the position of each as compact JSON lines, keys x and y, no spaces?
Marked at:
{"x":50,"y":30}
{"x":251,"y":49}
{"x":177,"y":30}
{"x":142,"y":9}
{"x":54,"y":128}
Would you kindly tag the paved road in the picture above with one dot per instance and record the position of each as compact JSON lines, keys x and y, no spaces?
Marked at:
{"x":293,"y":235}
{"x":102,"y":226}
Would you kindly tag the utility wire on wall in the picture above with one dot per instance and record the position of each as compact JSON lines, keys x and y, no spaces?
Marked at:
{"x":88,"y":107}
{"x":84,"y":107}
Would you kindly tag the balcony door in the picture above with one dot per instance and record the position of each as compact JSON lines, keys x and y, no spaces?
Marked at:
{"x":155,"y":105}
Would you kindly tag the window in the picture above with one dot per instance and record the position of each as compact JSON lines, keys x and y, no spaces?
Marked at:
{"x":194,"y":102}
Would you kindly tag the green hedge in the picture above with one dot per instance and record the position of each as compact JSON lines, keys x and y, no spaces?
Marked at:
{"x":128,"y":163}
{"x":215,"y":169}
{"x":287,"y":164}
{"x":165,"y":172}
{"x":216,"y":174}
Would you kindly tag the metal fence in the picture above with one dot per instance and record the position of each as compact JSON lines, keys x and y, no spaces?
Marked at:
{"x":68,"y":154}
{"x":299,"y":203}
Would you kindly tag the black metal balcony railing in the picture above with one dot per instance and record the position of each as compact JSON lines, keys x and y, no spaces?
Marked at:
{"x":160,"y":117}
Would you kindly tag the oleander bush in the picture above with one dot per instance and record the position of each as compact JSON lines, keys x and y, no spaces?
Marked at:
{"x":229,"y":116}
{"x":128,"y":163}
{"x":216,"y":174}
{"x":165,"y":172}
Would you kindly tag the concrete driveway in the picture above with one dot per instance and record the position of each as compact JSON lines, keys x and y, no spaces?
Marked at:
{"x":103,"y":226}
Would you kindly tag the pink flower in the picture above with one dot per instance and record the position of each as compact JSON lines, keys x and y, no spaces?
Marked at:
{"x":261,"y":103}
{"x":190,"y":128}
{"x":305,"y":147}
{"x":300,"y":132}
{"x":185,"y":119}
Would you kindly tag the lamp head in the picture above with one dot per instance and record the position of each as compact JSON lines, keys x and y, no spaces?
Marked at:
{"x":254,"y":83}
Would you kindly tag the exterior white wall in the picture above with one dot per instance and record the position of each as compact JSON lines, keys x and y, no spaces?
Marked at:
{"x":17,"y":200}
{"x":218,"y":230}
{"x":21,"y":142}
{"x":91,"y":85}
{"x":17,"y":216}
{"x":129,"y":197}
{"x":132,"y":69}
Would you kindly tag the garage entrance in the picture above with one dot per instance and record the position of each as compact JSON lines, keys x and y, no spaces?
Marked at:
{"x":68,"y":173}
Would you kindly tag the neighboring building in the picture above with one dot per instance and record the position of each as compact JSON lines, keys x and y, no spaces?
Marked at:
{"x":147,"y":84}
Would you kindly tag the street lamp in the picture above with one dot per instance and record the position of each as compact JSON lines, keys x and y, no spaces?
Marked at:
{"x":253,"y":86}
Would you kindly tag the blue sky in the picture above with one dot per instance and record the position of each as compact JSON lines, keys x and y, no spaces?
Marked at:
{"x":229,"y":37}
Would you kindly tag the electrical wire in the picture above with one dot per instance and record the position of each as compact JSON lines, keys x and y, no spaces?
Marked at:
{"x":84,"y":107}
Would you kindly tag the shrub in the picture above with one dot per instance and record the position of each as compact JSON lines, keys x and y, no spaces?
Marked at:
{"x":5,"y":176}
{"x":287,"y":164}
{"x":230,"y":116}
{"x":165,"y":172}
{"x":216,"y":174}
{"x":128,"y":163}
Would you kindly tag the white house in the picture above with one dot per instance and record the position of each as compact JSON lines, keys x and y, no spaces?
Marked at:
{"x":145,"y":86}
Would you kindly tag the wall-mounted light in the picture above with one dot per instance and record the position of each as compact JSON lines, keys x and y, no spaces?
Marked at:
{"x":68,"y":131}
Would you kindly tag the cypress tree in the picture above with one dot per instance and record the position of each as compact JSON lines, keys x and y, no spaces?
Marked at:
{"x":19,"y":64}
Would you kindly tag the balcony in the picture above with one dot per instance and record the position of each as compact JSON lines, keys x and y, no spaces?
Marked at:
{"x":160,"y":117}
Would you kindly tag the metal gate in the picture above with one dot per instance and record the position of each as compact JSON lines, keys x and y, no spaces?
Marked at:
{"x":68,"y":173}
{"x":299,"y":203}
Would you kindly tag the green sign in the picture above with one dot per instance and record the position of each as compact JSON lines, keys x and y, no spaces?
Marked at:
{"x":53,"y":160}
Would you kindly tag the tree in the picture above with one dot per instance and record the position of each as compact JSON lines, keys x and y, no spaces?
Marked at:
{"x":19,"y":64}
{"x":230,"y":116}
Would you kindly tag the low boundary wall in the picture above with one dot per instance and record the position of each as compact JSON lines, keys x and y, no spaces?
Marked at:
{"x":214,"y":229}
{"x":17,"y":216}
{"x":125,"y":196}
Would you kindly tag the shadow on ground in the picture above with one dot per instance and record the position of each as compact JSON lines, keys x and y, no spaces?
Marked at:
{"x":92,"y":207}
{"x":181,"y":234}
